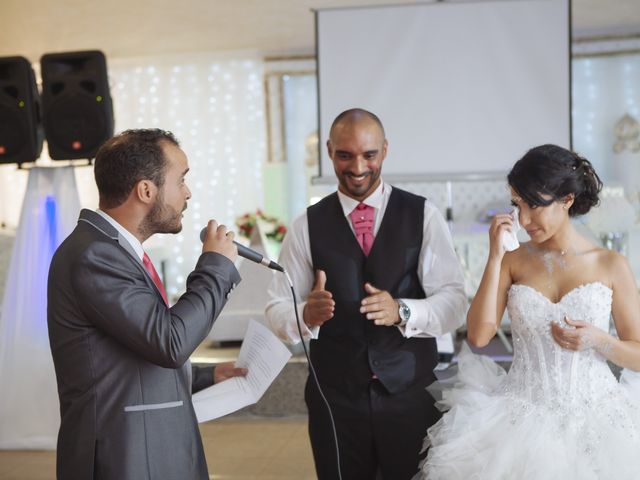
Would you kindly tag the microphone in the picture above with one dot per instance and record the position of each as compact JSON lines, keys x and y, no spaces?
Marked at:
{"x":248,"y":253}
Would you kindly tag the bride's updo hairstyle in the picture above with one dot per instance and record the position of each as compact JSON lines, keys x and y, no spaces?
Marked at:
{"x":556,"y":172}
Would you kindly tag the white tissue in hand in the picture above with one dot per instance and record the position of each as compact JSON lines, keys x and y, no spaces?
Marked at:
{"x":509,"y":241}
{"x":510,"y":238}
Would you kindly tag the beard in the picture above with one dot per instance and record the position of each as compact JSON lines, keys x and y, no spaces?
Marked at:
{"x":162,"y":219}
{"x":359,"y":191}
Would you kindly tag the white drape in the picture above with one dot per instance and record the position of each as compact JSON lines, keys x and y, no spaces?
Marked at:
{"x":29,"y":409}
{"x":604,"y":89}
{"x":214,"y":103}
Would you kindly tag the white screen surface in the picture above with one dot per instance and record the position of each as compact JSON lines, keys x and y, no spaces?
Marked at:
{"x":463,"y":89}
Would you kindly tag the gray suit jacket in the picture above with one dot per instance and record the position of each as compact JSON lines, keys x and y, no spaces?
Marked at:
{"x":121,"y":358}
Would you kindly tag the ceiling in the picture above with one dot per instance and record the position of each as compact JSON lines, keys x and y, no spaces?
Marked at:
{"x":132,"y":28}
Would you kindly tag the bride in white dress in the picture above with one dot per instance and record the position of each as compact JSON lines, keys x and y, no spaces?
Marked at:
{"x":559,"y":413}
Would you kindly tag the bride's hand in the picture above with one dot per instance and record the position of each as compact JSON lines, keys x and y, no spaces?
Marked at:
{"x":582,"y":336}
{"x":500,"y":223}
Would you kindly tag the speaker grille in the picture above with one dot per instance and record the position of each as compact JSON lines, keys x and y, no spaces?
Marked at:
{"x":20,"y":129}
{"x":76,"y":124}
{"x":77,"y":108}
{"x":12,"y":133}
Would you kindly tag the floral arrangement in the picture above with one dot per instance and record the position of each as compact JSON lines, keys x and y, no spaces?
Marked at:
{"x":273,"y":228}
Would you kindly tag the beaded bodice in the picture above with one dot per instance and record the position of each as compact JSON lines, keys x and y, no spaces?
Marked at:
{"x":545,"y":380}
{"x":544,"y":372}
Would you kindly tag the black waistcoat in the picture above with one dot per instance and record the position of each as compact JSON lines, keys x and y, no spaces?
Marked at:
{"x":350,"y":348}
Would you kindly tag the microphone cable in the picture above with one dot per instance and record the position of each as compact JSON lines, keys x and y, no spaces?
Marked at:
{"x":315,"y":377}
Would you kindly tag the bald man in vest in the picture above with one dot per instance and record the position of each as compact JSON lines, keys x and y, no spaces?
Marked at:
{"x":378,"y":279}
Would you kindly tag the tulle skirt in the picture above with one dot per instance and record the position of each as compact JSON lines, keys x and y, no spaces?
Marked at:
{"x":488,"y":434}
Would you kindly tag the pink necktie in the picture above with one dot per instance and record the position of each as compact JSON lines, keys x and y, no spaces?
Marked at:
{"x":362,"y":219}
{"x":146,"y":261}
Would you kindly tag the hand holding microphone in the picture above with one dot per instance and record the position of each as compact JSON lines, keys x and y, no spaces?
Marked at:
{"x":217,"y":238}
{"x":236,"y":248}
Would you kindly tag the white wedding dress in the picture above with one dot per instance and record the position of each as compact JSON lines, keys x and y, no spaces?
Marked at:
{"x":557,"y":414}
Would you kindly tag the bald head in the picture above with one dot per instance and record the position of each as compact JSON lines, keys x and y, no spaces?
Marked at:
{"x":357,"y":148}
{"x":355,"y":116}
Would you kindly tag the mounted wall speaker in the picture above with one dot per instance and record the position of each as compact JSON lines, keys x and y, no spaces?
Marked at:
{"x":77,"y":111}
{"x":20,"y":128}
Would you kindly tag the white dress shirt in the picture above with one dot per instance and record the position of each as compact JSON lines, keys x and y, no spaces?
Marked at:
{"x":443,"y":310}
{"x":129,"y":237}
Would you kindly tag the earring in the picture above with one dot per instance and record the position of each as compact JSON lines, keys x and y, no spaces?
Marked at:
{"x":565,"y":206}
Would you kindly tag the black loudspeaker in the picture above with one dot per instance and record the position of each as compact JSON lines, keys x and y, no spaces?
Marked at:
{"x":20,"y":128}
{"x":77,"y":111}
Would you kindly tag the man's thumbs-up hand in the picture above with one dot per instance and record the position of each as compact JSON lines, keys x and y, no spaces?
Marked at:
{"x":321,"y":281}
{"x":320,"y":304}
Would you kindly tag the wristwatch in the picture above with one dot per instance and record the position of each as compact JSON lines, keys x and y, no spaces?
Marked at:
{"x":404,"y":312}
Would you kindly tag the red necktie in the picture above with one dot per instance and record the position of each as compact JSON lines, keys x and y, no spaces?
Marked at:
{"x":362,"y":219}
{"x":146,"y":261}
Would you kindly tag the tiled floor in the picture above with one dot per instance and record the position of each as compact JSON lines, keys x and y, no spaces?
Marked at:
{"x":265,"y":449}
{"x":236,"y":449}
{"x":20,"y":465}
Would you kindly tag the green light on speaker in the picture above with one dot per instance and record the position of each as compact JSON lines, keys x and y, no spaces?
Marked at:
{"x":98,"y":98}
{"x":21,"y":103}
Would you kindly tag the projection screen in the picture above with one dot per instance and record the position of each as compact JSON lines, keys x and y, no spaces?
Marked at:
{"x":463,"y":89}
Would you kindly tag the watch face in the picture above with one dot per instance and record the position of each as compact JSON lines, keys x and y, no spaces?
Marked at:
{"x":405,"y":312}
